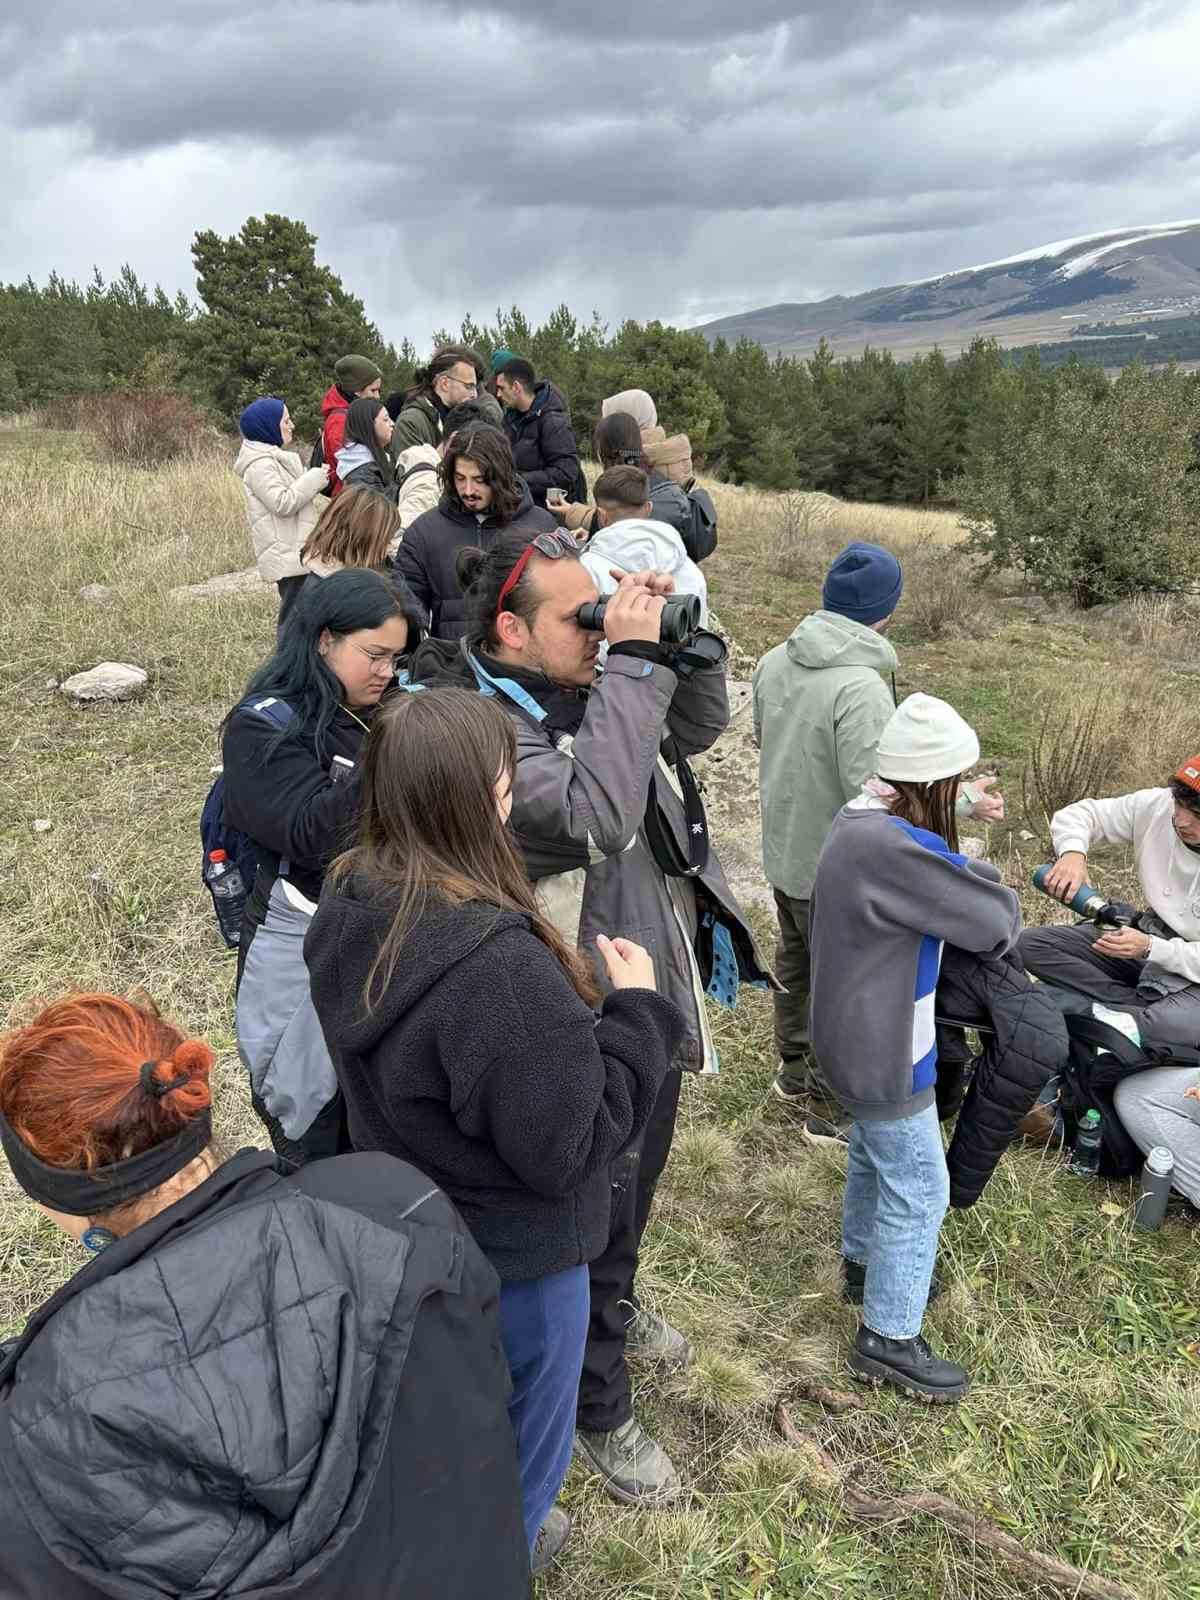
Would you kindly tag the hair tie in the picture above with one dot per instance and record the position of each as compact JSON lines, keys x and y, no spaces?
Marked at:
{"x":153,"y":1086}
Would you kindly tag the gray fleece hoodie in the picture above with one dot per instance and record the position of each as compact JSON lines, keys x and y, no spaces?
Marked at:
{"x":886,"y":898}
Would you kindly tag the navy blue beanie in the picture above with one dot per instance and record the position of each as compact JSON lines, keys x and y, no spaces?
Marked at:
{"x":864,"y":584}
{"x":260,"y":420}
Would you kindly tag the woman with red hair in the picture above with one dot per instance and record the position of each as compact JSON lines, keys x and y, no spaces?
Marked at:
{"x":265,"y":1380}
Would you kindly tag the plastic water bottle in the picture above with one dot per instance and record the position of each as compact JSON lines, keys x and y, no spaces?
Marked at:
{"x":1154,"y":1189}
{"x":229,"y":895}
{"x":1085,"y":1158}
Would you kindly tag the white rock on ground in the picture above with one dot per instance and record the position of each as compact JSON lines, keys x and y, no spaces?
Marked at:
{"x":97,"y":592}
{"x":111,"y":680}
{"x":225,"y":583}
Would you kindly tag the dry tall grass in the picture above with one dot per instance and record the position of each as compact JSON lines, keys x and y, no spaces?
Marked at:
{"x":1082,"y":1432}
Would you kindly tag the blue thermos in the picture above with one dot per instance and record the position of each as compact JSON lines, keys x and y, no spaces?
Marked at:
{"x":1085,"y":902}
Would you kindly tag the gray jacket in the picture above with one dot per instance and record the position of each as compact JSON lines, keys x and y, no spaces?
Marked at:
{"x":578,"y":809}
{"x":887,"y":897}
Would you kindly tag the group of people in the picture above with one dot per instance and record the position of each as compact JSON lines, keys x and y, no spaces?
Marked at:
{"x":479,"y":950}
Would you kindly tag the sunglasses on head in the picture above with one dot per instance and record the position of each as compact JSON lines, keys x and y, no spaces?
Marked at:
{"x":551,"y":543}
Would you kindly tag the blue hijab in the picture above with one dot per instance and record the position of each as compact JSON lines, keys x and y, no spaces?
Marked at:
{"x":260,"y":421}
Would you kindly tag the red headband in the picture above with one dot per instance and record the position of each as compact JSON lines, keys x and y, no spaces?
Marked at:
{"x":514,"y":577}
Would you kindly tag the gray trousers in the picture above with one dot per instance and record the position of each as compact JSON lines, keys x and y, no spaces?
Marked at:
{"x":1153,"y":1110}
{"x":1066,"y":957}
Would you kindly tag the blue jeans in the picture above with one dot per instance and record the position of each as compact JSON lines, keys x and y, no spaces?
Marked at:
{"x":543,"y":1327}
{"x":897,"y":1191}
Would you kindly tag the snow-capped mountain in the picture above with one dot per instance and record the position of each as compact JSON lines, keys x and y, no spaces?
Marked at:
{"x":1037,"y":295}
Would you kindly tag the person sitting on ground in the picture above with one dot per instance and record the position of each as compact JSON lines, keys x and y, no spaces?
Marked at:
{"x":639,"y":405}
{"x":1153,"y":977}
{"x":355,"y":378}
{"x":890,"y":890}
{"x":629,"y":539}
{"x":292,"y":748}
{"x":453,"y":375}
{"x":821,"y":699}
{"x":610,"y":844}
{"x":482,"y":499}
{"x":358,"y":529}
{"x":264,"y":1380}
{"x":417,"y":468}
{"x":280,"y":495}
{"x":463,"y":1032}
{"x":539,"y":430}
{"x":363,"y":461}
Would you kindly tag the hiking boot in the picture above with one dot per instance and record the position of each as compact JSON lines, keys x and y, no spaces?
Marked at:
{"x":910,"y":1365}
{"x":854,"y":1281}
{"x":636,"y":1471}
{"x":793,"y":1083}
{"x":552,"y":1536}
{"x":652,"y":1338}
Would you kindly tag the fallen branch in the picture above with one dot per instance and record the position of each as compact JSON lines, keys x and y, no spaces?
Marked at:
{"x":960,"y":1520}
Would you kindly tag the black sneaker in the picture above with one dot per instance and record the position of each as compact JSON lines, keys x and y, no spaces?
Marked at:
{"x":792,"y":1085}
{"x":910,"y":1365}
{"x":552,"y":1536}
{"x":854,"y":1280}
{"x":826,"y":1124}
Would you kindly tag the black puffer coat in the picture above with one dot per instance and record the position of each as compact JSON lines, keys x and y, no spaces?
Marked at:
{"x":1028,"y":1046}
{"x":544,"y":447}
{"x":287,"y":1383}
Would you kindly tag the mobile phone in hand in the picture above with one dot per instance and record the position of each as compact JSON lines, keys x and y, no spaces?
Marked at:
{"x":556,"y":497}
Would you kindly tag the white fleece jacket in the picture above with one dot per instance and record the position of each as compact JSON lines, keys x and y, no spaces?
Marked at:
{"x":1168,"y":871}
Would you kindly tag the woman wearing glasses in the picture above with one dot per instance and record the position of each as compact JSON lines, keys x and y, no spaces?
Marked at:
{"x":292,"y":751}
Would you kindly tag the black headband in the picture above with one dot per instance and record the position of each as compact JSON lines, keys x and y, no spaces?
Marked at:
{"x":94,"y":1193}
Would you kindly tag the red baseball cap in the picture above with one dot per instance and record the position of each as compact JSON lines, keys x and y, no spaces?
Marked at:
{"x":1189,"y":773}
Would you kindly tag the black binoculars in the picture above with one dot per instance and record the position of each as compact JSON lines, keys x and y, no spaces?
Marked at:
{"x":680,"y":617}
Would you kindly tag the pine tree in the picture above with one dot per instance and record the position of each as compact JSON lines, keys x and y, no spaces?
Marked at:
{"x":274,"y":321}
{"x":928,"y":436}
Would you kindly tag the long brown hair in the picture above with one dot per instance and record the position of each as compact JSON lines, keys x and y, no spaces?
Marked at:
{"x":355,"y":530}
{"x":491,"y":452}
{"x":429,"y":826}
{"x":928,"y":805}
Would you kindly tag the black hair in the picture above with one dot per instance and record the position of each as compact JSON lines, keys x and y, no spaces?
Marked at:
{"x":481,"y":576}
{"x":518,"y":370}
{"x":462,"y":415}
{"x":491,"y":451}
{"x":1184,"y":795}
{"x":394,"y":404}
{"x":619,"y":441}
{"x":360,"y":429}
{"x":349,"y":601}
{"x":443,"y":358}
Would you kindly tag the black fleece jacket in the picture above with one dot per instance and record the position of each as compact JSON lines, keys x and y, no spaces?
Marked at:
{"x":483,"y":1067}
{"x":543,"y":443}
{"x":430,"y":548}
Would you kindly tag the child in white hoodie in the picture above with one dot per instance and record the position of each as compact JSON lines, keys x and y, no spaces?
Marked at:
{"x":628,"y":539}
{"x":1156,"y":980}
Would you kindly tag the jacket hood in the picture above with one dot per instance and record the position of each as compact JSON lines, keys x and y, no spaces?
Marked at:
{"x":351,"y":456}
{"x":452,"y":507}
{"x":418,"y":453}
{"x":546,"y":397}
{"x":251,"y":452}
{"x":825,"y":639}
{"x":346,"y":934}
{"x":246,"y":1290}
{"x":334,"y":400}
{"x":636,"y":544}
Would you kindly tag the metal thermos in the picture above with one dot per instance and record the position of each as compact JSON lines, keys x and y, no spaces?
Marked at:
{"x":1085,"y":902}
{"x":1154,"y":1189}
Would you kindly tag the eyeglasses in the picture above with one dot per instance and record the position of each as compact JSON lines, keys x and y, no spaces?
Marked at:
{"x":471,"y":385}
{"x":395,"y":663}
{"x":553,"y":543}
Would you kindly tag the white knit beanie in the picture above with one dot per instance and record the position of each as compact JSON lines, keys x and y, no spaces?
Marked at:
{"x":924,"y":740}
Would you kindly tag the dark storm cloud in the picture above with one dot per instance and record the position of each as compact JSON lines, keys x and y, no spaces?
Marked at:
{"x":677,"y":157}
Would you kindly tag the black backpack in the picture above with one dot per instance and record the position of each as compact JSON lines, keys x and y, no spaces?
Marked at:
{"x":700,"y":537}
{"x":317,"y":459}
{"x":215,"y":832}
{"x":1100,"y":1057}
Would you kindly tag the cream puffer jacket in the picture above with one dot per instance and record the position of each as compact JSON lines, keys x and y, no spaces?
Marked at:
{"x":280,"y":498}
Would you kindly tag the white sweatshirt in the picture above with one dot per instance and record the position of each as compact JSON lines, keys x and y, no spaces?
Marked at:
{"x":1168,"y":871}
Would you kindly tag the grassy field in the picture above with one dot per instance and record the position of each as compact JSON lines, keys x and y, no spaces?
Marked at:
{"x":1081,"y":1437}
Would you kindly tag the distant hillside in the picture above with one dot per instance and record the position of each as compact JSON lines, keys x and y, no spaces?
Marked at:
{"x":1036,"y":297}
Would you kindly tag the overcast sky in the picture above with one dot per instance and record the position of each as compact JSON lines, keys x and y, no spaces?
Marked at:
{"x":681,"y":159}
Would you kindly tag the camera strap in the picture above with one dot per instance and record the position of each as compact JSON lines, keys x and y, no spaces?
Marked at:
{"x":660,"y":837}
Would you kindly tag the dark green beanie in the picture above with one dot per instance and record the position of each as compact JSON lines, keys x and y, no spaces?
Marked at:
{"x":500,"y":358}
{"x":355,"y":372}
